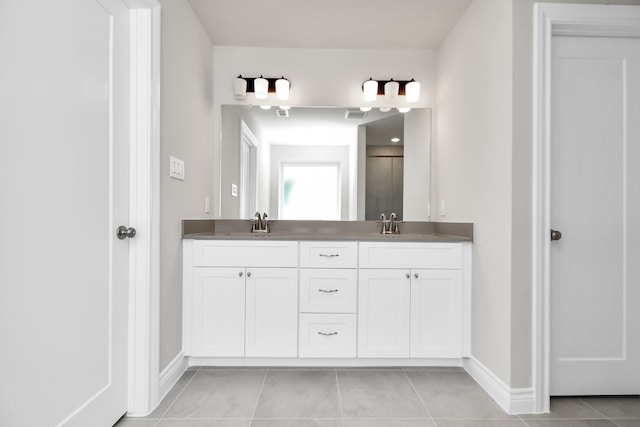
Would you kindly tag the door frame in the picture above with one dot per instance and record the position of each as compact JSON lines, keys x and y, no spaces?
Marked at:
{"x":553,"y":20}
{"x":144,"y":388}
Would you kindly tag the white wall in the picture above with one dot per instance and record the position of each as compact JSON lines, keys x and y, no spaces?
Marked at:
{"x":186,"y":133}
{"x":319,"y":77}
{"x":473,"y":166}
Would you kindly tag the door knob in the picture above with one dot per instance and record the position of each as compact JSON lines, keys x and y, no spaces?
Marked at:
{"x":123,"y":232}
{"x":556,"y":235}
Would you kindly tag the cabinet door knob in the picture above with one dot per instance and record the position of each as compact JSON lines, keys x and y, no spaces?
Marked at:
{"x":408,"y":276}
{"x":249,"y":274}
{"x":415,"y":275}
{"x":240,"y":274}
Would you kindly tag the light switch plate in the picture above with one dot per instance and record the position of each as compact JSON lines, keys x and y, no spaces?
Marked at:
{"x":234,"y":190}
{"x":176,"y":168}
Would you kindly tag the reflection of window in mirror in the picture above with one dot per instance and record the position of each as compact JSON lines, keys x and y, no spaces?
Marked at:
{"x":309,"y":191}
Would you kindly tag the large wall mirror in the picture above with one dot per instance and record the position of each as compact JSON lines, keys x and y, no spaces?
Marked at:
{"x":325,"y":163}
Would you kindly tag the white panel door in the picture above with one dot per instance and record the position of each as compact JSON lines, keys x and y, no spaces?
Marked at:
{"x":436,"y":313}
{"x":272,"y":312}
{"x":383,"y":312}
{"x":595,"y":204}
{"x":218,"y":312}
{"x":64,"y":129}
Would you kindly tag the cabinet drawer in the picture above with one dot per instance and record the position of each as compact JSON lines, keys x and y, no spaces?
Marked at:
{"x":240,"y":253}
{"x":328,"y":291}
{"x":328,"y":254}
{"x":327,"y":335}
{"x":410,"y":255}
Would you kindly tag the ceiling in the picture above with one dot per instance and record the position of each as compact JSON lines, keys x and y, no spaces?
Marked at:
{"x":329,"y":24}
{"x":325,"y":126}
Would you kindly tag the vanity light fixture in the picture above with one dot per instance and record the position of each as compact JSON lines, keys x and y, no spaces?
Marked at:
{"x":261,"y":87}
{"x":391,"y":89}
{"x":370,"y":89}
{"x":412,"y":91}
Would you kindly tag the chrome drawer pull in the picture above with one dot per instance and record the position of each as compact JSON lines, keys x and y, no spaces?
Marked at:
{"x":330,"y":255}
{"x":329,"y":291}
{"x":327,"y":333}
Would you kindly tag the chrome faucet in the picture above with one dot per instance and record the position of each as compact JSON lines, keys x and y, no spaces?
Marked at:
{"x":390,"y":226}
{"x":383,"y":217}
{"x":393,"y":223}
{"x":260,"y":223}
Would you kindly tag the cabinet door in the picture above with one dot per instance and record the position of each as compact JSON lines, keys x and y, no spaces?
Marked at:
{"x":272,"y":312}
{"x":436,"y":313}
{"x":218,"y":312}
{"x":383,"y":313}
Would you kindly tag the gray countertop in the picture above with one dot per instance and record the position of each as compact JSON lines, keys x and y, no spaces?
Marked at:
{"x":328,"y":231}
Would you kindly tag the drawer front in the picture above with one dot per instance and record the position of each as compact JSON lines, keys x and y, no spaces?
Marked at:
{"x":327,"y":335}
{"x":410,"y":255}
{"x":328,"y":254}
{"x":328,"y":291}
{"x":241,"y":253}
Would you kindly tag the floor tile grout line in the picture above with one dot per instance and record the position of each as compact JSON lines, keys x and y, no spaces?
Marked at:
{"x":339,"y":398}
{"x":255,"y":408}
{"x":596,"y":409}
{"x":522,"y":420}
{"x":424,"y":405}
{"x":178,"y":396}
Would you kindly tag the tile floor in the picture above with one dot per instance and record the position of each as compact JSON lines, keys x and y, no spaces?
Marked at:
{"x":329,"y":397}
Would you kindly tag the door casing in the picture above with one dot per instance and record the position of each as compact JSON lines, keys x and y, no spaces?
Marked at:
{"x":551,"y":20}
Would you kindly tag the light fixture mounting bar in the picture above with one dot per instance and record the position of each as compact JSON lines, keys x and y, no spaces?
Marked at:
{"x":271,"y":80}
{"x":381,"y":83}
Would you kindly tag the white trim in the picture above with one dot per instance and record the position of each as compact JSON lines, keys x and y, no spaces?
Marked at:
{"x":467,"y":294}
{"x":171,"y":374}
{"x":302,"y":362}
{"x":550,"y":20}
{"x":144,"y":254}
{"x":512,"y":401}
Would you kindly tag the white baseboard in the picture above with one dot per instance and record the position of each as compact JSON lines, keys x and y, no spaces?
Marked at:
{"x":320,"y":362}
{"x":512,"y":400}
{"x":171,"y":374}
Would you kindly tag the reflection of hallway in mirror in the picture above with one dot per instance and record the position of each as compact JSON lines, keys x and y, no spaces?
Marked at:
{"x":384,"y":181}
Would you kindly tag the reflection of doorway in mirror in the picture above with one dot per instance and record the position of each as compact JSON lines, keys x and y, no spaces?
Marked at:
{"x":309,"y":191}
{"x":248,"y":172}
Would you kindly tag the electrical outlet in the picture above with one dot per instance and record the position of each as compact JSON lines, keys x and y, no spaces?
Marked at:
{"x":207,"y":205}
{"x":443,"y":208}
{"x":234,"y":190}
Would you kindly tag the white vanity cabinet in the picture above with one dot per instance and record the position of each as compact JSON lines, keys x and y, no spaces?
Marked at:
{"x":410,"y":301}
{"x":328,"y":299}
{"x":272,"y":312}
{"x":384,"y":304}
{"x":263,"y":301}
{"x":240,"y":298}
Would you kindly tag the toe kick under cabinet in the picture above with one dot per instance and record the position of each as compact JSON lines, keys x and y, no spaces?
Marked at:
{"x":318,"y":302}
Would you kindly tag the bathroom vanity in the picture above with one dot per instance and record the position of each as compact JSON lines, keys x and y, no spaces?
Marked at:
{"x":326,"y":294}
